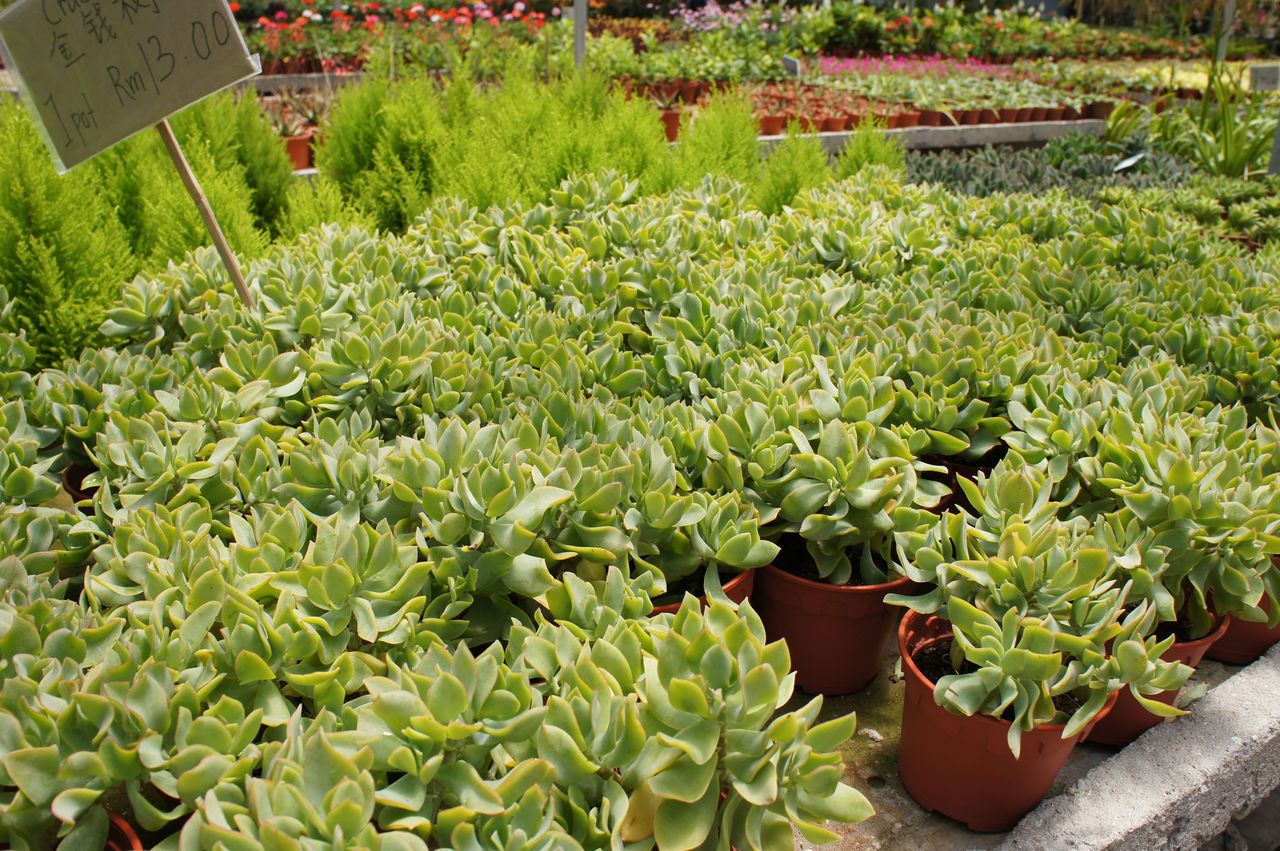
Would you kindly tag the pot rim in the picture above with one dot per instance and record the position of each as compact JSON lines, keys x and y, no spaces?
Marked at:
{"x":774,"y":570}
{"x":909,"y":669}
{"x":1224,"y":622}
{"x":736,"y":581}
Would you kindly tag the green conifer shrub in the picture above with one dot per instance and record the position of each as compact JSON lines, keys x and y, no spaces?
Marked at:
{"x":63,"y":252}
{"x":796,"y":164}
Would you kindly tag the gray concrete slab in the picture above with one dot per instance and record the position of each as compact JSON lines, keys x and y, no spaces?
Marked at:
{"x":1180,"y":784}
{"x":967,"y":136}
{"x":900,"y":824}
{"x":296,"y":82}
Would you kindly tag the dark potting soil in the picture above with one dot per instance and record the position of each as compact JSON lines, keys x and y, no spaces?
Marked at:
{"x":1183,"y":630}
{"x":794,"y":558}
{"x":934,"y":661}
{"x":693,"y":584}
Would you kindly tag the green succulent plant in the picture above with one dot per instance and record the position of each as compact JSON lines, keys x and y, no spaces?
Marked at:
{"x":1039,"y":610}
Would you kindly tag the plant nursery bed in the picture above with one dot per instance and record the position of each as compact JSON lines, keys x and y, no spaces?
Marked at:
{"x":871,"y":766}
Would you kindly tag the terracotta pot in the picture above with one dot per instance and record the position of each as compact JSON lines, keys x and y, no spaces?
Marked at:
{"x":121,"y":836}
{"x":908,"y":119}
{"x":1099,"y":109}
{"x":930,"y":118}
{"x":1024,"y":114}
{"x":299,"y":150}
{"x":1245,"y":641}
{"x":671,"y":121}
{"x":962,"y":766}
{"x":1038,"y":113}
{"x":988,"y":116}
{"x":736,"y":589}
{"x":835,"y":124}
{"x":1127,"y":719}
{"x":1054,"y":113}
{"x":836,"y":634}
{"x":1008,"y":116}
{"x":689,"y":90}
{"x":667,"y":90}
{"x":73,"y":482}
{"x":772,"y":125}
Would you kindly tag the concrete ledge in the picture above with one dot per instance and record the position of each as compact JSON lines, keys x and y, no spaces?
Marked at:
{"x":295,"y":82}
{"x":966,"y":136}
{"x":1181,"y":783}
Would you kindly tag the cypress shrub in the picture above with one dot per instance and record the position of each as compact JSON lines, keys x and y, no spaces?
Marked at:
{"x":63,"y":251}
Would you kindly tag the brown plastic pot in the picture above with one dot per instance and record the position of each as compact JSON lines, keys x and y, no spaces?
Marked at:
{"x":1127,"y":719}
{"x":1070,"y":113}
{"x":772,"y":125}
{"x":1054,"y":113}
{"x":1008,"y":116}
{"x":1099,"y":109}
{"x":968,"y":116}
{"x":121,"y":836}
{"x":736,"y":589}
{"x":909,"y":119}
{"x":73,"y":482}
{"x":836,"y":634}
{"x":1244,"y":641}
{"x":961,"y":766}
{"x":1038,"y":113}
{"x":930,"y":118}
{"x":299,"y":150}
{"x":671,"y":122}
{"x":1024,"y":114}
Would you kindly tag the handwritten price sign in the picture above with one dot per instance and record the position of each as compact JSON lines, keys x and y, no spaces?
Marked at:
{"x":95,"y":72}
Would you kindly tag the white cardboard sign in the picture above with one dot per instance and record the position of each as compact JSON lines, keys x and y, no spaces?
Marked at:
{"x":95,"y":72}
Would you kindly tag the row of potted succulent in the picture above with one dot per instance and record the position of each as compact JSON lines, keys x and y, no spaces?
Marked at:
{"x":528,"y":420}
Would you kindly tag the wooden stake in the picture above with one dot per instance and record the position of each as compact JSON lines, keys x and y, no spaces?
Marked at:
{"x":580,"y":33}
{"x":206,"y":213}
